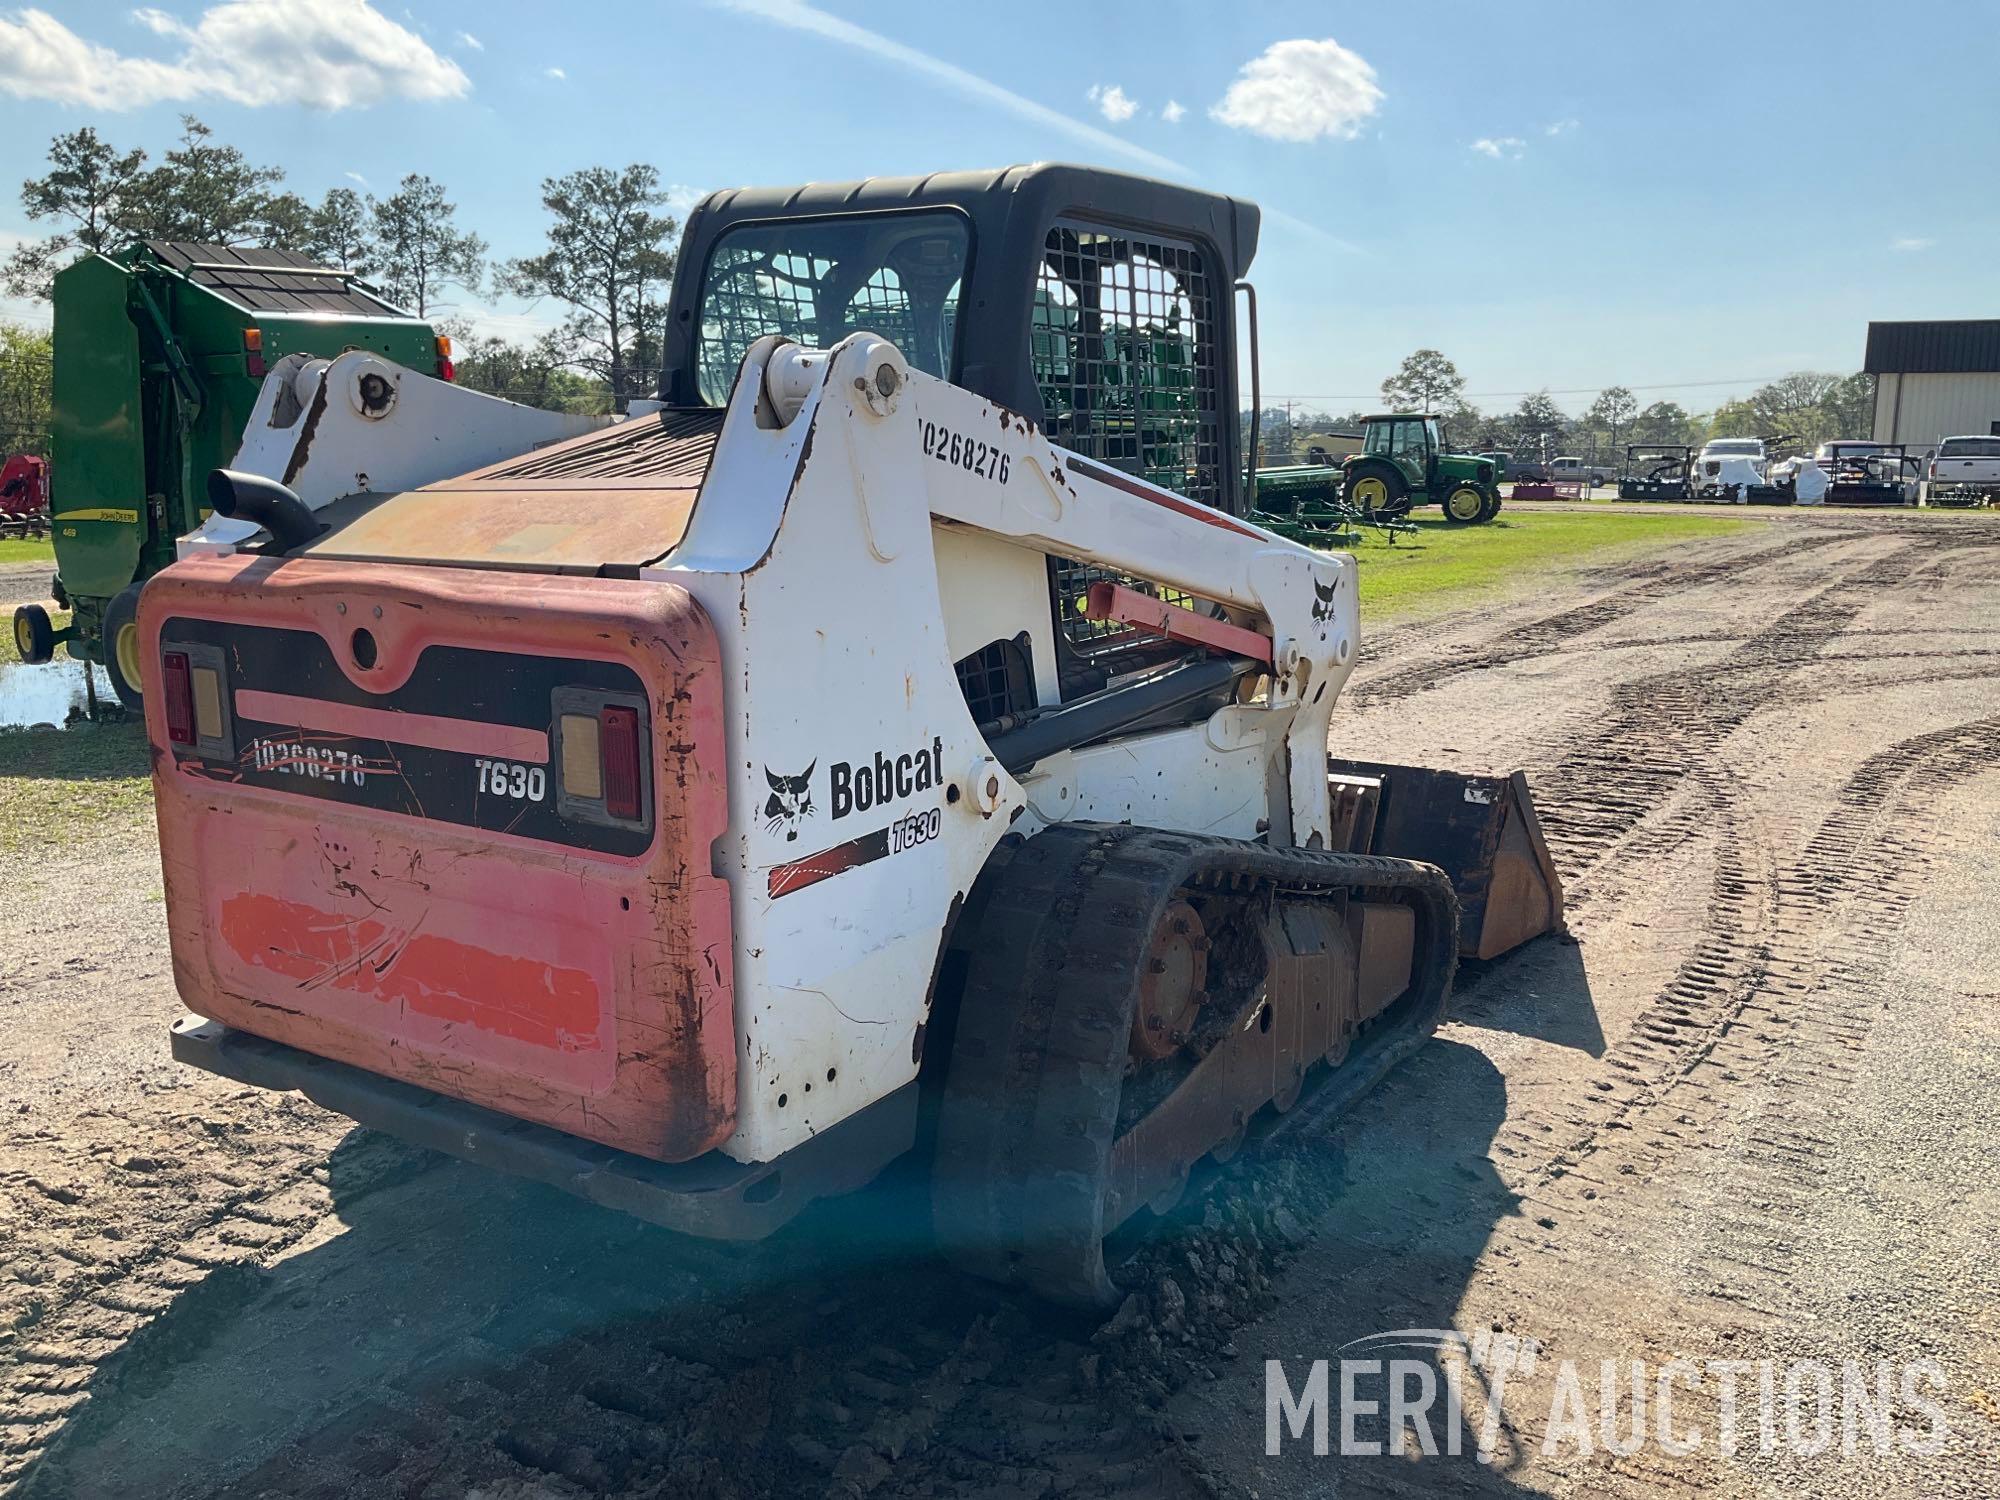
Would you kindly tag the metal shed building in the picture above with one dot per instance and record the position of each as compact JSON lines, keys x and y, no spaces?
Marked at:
{"x":1934,"y":380}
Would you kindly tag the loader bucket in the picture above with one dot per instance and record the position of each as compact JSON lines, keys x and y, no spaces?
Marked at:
{"x":1480,"y":830}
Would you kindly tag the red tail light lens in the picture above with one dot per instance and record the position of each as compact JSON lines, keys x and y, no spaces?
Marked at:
{"x":179,"y":698}
{"x":447,"y":369}
{"x":618,"y":752}
{"x":253,"y":353}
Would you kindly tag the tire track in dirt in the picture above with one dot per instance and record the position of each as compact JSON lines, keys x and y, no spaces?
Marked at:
{"x":1750,"y":1047}
{"x":1559,"y":631}
{"x":903,"y":1379}
{"x":197,"y":1196}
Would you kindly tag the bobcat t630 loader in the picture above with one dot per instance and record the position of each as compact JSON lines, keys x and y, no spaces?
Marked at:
{"x":901,"y":712}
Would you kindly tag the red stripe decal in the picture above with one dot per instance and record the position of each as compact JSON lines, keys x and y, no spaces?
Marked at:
{"x":828,"y":863}
{"x":465,"y":736}
{"x":1208,"y":515}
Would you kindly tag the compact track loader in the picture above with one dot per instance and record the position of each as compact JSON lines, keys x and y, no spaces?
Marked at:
{"x":893,"y":741}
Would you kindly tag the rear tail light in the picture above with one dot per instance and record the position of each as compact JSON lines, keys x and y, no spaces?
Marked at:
{"x":179,"y":698}
{"x":253,"y":353}
{"x":446,"y":369}
{"x":618,"y":752}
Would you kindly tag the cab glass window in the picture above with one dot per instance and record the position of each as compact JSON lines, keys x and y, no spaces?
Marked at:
{"x":819,"y":280}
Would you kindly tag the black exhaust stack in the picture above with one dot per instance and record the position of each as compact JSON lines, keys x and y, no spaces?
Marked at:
{"x":252,"y":497}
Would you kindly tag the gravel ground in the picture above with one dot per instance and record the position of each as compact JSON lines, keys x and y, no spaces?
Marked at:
{"x":1745,"y":1115}
{"x":25,"y":583}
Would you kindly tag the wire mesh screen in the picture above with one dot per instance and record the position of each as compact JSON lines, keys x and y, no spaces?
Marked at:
{"x":752,"y":294}
{"x":1072,"y":585}
{"x":1124,"y":343}
{"x":997,"y":680}
{"x":899,"y":275}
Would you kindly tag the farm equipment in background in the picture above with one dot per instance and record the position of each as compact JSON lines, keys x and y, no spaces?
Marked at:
{"x":160,"y":353}
{"x":1302,"y":503}
{"x":1403,"y":463}
{"x":1861,"y":473}
{"x":1655,"y":471}
{"x":1328,"y":448}
{"x":700,"y":814}
{"x":24,"y":496}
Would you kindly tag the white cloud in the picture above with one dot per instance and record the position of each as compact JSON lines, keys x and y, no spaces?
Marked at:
{"x":1173,"y":112}
{"x":681,"y":199}
{"x":355,"y":177}
{"x":799,"y":16}
{"x":1113,"y":103}
{"x":1498,"y":147}
{"x":467,"y":39}
{"x":1910,"y":242}
{"x":556,"y":73}
{"x":1302,"y":90}
{"x":335,"y":54}
{"x":1560,"y":127}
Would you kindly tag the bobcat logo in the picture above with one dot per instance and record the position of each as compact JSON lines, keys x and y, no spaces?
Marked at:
{"x":1322,"y":610}
{"x":790,"y":802}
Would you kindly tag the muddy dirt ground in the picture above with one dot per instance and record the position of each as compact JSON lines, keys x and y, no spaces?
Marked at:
{"x":1746,"y":1114}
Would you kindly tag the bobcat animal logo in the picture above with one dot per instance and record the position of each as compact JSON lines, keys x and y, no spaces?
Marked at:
{"x":790,"y":802}
{"x":1322,"y":609}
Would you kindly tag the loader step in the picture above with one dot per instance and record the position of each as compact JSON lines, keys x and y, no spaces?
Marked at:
{"x":1066,"y":1109}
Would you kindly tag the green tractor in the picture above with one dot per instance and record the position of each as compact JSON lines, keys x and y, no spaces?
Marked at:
{"x":160,"y":354}
{"x":1403,"y":464}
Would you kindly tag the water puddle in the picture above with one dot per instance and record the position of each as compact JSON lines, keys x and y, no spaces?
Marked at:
{"x":50,"y":696}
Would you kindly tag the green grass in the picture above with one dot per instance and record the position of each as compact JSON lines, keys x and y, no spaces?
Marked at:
{"x":27,"y":550}
{"x":1445,"y":564}
{"x":58,"y":785}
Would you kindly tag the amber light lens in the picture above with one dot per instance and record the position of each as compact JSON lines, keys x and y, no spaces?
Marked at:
{"x":618,"y":751}
{"x":582,"y":759}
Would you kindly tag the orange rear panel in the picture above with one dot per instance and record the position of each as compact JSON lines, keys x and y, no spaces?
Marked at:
{"x":376,"y":861}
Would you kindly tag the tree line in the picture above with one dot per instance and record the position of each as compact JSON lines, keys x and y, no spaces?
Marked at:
{"x":607,"y":259}
{"x":1809,"y":406}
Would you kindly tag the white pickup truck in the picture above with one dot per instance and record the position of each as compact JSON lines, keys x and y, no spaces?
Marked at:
{"x":1963,"y":471}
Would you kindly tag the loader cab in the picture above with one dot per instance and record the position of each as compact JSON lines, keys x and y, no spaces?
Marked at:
{"x":1099,"y":305}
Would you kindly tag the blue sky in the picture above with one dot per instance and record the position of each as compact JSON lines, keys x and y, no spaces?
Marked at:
{"x":1562,"y":195}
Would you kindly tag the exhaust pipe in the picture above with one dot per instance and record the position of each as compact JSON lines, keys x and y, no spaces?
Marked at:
{"x":252,"y":497}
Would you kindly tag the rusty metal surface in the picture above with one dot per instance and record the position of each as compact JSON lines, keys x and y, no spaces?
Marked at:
{"x":618,"y":497}
{"x":552,"y":530}
{"x":586,"y":990}
{"x":1172,"y":984}
{"x":673,"y":444}
{"x":1483,"y":833}
{"x":1321,"y":988}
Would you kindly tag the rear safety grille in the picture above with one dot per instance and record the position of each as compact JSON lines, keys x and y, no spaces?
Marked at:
{"x":997,"y":680}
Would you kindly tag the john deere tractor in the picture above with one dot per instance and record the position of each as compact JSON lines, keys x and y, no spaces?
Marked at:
{"x":1402,"y":464}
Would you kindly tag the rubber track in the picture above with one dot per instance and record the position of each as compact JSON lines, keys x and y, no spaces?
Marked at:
{"x":1031,"y":1105}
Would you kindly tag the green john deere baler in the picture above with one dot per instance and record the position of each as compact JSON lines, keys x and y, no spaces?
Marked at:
{"x":160,"y":352}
